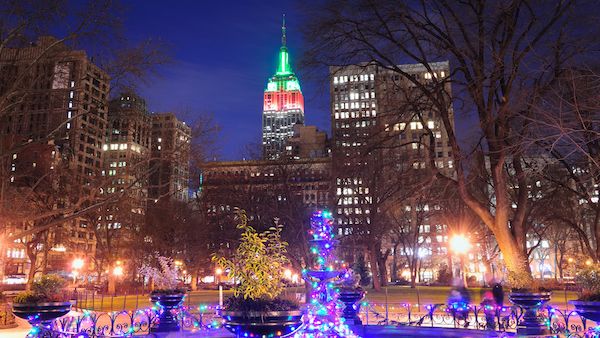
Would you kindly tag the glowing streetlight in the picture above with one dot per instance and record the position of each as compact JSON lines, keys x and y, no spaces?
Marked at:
{"x":588,"y":262}
{"x":219,"y":271}
{"x":118,"y":271}
{"x":460,"y":245}
{"x":287,"y":274}
{"x":77,"y":264}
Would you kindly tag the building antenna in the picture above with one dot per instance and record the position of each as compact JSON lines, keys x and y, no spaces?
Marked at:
{"x":283,"y":39}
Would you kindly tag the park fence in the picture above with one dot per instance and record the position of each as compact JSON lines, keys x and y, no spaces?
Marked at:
{"x":205,"y":317}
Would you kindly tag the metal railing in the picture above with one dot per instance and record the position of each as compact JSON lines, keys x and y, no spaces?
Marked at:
{"x":128,"y":323}
{"x":206,"y":317}
{"x":476,"y":317}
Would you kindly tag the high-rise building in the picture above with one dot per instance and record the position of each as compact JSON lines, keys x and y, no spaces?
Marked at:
{"x":170,"y":163}
{"x":283,"y":105}
{"x":381,"y":143}
{"x":53,"y":119}
{"x":126,"y":158}
{"x":63,"y":97}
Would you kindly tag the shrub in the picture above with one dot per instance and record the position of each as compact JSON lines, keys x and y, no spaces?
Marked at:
{"x":164,"y":276}
{"x":27,"y":297}
{"x":257,"y":264}
{"x":589,"y":281}
{"x":360,"y":267}
{"x":521,"y":281}
{"x":48,"y":288}
{"x":444,"y":276}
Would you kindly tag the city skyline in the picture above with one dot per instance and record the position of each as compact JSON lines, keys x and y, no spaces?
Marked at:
{"x":248,"y":48}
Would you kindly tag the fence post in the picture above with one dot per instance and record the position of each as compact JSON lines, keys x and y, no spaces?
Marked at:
{"x":93,"y":305}
{"x":386,"y":306}
{"x":112,"y":300}
{"x":124,"y":300}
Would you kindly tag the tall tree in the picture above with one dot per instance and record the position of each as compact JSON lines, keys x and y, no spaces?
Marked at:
{"x":502,"y":53}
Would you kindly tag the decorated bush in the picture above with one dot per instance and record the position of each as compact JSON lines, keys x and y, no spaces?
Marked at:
{"x":257,"y":267}
{"x":164,"y":275}
{"x":48,"y":288}
{"x":589,"y":281}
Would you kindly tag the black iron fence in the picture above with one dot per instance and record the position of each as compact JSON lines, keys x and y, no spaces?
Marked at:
{"x":477,"y":317}
{"x":205,"y":318}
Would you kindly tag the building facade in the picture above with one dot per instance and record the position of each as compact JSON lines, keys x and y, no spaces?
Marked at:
{"x":306,"y":142}
{"x":54,"y":119}
{"x":127,"y":158}
{"x":381,"y":147}
{"x":283,"y":106}
{"x":170,"y":158}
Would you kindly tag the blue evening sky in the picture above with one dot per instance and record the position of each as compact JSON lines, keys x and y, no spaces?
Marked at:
{"x":224,"y":52}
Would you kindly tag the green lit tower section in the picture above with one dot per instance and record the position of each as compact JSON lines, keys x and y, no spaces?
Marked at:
{"x":283,"y":105}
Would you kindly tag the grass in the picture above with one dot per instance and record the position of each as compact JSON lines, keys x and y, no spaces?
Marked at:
{"x":396,"y":295}
{"x":439,"y":294}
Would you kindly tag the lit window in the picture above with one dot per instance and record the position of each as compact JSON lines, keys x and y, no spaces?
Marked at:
{"x":430,"y":124}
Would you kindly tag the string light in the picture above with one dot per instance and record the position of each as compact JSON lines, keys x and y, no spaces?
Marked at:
{"x":323,"y":319}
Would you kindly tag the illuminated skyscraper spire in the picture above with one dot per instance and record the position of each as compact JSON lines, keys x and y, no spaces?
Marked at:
{"x":284,"y":67}
{"x":283,"y":104}
{"x":283,"y":32}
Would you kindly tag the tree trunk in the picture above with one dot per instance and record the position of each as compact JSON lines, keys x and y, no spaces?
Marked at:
{"x":32,"y":267}
{"x":382,"y":271}
{"x":394,"y":273}
{"x":194,"y":282}
{"x":374,"y":269}
{"x":381,"y":264}
{"x":413,"y":272}
{"x":112,"y":284}
{"x":515,"y":259}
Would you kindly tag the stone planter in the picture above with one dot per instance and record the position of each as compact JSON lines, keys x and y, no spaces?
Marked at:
{"x":262,"y":324}
{"x":351,"y":300}
{"x":167,"y":302}
{"x":530,"y":303}
{"x":587,"y":310}
{"x":41,"y":313}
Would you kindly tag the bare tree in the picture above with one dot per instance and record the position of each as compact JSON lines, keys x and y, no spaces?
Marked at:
{"x":502,"y":53}
{"x":567,"y":127}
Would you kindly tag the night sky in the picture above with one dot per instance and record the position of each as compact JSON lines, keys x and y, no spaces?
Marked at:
{"x":223,"y":53}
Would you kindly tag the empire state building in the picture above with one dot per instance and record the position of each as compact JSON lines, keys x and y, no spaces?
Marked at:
{"x":283,"y":105}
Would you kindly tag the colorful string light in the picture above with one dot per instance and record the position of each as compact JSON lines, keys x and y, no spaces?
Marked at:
{"x":323,"y":319}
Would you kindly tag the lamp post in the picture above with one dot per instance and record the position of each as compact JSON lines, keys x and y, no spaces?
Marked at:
{"x":218,"y":272}
{"x":76,"y":265}
{"x":460,"y":245}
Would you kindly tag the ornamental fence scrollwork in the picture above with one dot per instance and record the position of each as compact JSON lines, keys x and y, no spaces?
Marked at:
{"x":478,"y":317}
{"x":125,"y":323}
{"x":196,"y":318}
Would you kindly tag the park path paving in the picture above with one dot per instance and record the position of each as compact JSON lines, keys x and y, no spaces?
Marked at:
{"x":16,"y":332}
